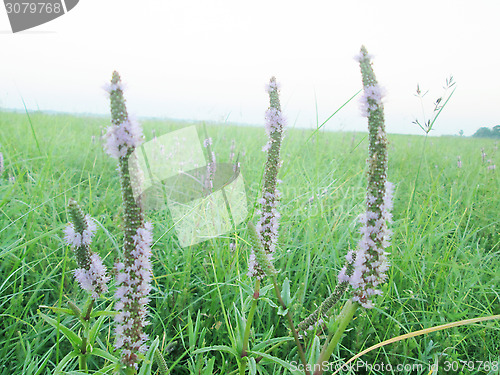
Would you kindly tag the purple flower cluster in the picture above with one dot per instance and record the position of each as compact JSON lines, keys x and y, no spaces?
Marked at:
{"x":94,"y":279}
{"x":91,"y":274}
{"x":363,"y":55}
{"x":371,"y":265}
{"x":109,"y":87}
{"x":275,"y":122}
{"x":122,"y":138}
{"x":207,"y":142}
{"x":373,"y":93}
{"x":76,"y":239}
{"x":134,"y":284}
{"x":371,"y":99}
{"x":269,"y":221}
{"x":268,"y":224}
{"x":273,"y":85}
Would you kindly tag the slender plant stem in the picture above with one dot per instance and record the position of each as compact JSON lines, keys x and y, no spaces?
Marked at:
{"x":248,"y":326}
{"x":302,"y":354}
{"x":343,"y":320}
{"x":85,"y":317}
{"x":251,"y":313}
{"x":82,"y":360}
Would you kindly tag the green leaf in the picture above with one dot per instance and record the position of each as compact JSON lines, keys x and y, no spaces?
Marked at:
{"x":27,"y":359}
{"x":240,"y":329}
{"x":269,"y":301}
{"x":269,"y":334}
{"x":97,"y":326}
{"x":270,"y":342}
{"x":105,"y":354}
{"x":293,"y":369}
{"x":106,"y":370}
{"x":252,"y":366}
{"x":64,"y":362}
{"x":315,"y":350}
{"x":248,"y":303}
{"x":285,"y":293}
{"x":209,"y":368}
{"x":263,"y":291}
{"x":41,"y":367}
{"x":247,"y":288}
{"x":147,"y":363}
{"x":75,"y":340}
{"x":222,"y":348}
{"x":61,"y":310}
{"x":191,"y":332}
{"x":281,"y":311}
{"x":95,"y":314}
{"x":75,"y":309}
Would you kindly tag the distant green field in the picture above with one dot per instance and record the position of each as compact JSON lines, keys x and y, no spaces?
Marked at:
{"x":445,"y":251}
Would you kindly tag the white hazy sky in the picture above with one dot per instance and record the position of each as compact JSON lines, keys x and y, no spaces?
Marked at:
{"x":210,"y":59}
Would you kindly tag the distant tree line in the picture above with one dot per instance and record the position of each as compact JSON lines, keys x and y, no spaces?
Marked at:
{"x":485,"y":132}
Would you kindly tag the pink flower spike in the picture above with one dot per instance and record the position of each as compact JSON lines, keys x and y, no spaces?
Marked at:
{"x":134,"y":281}
{"x":371,"y":263}
{"x":72,"y":237}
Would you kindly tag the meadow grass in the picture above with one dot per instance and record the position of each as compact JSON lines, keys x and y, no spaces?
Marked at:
{"x":445,"y":253}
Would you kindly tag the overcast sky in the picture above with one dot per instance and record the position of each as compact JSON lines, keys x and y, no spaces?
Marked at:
{"x":210,"y":59}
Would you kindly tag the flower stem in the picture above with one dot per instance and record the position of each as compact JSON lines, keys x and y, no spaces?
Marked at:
{"x":82,"y":362}
{"x":249,"y":321}
{"x":342,"y":321}
{"x":302,"y":354}
{"x":82,"y":357}
{"x":248,"y":326}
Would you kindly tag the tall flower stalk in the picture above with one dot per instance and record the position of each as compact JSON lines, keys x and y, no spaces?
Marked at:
{"x":268,"y":224}
{"x":370,"y":264}
{"x":264,"y":236}
{"x":134,"y":272}
{"x":366,"y":268}
{"x":91,"y":273}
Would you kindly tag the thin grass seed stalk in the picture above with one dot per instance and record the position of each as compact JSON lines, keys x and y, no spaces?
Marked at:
{"x":323,"y":312}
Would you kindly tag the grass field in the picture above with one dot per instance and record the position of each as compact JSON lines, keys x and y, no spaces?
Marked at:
{"x":445,"y":251}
